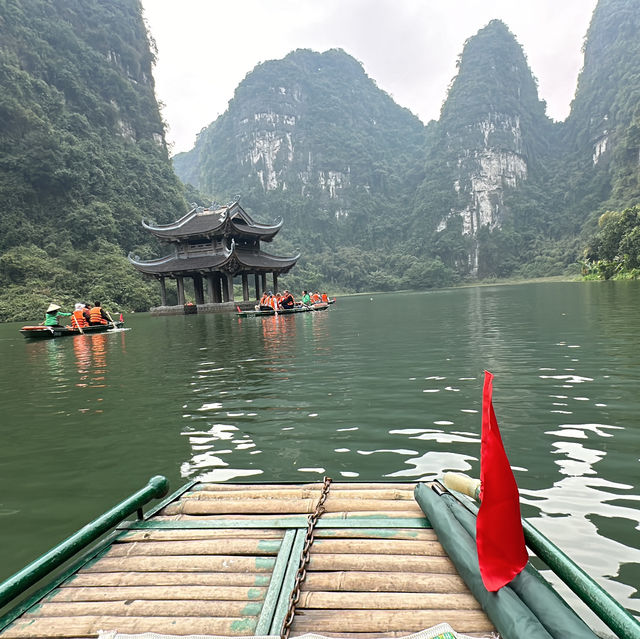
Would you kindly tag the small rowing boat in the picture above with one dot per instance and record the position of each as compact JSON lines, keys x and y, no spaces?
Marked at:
{"x":346,"y":559}
{"x":49,"y":332}
{"x":321,"y":306}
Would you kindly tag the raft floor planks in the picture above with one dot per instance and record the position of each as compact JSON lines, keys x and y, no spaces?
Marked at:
{"x":221,"y":559}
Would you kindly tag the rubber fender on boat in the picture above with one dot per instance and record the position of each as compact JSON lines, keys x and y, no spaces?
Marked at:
{"x":508,"y":613}
{"x":553,"y":612}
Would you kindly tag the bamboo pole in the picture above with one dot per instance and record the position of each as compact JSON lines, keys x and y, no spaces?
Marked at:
{"x":176,"y":534}
{"x":283,"y":506}
{"x":319,"y":621}
{"x":299,"y":493}
{"x":387,"y":600}
{"x":72,"y":627}
{"x":107,"y":579}
{"x":146,"y":608}
{"x":159,"y":592}
{"x":385,"y":582}
{"x":335,"y":486}
{"x":390,"y":563}
{"x":369,"y":514}
{"x":379,"y":546}
{"x":417,"y":534}
{"x":196,"y":547}
{"x":216,"y":563}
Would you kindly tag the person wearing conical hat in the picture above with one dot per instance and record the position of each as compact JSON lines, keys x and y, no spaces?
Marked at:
{"x":52,"y":314}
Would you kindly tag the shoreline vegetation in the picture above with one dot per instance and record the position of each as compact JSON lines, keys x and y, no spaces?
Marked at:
{"x":480,"y":283}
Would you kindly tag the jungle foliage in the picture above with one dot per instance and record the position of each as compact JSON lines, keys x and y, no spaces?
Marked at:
{"x":82,"y":155}
{"x":614,"y":251}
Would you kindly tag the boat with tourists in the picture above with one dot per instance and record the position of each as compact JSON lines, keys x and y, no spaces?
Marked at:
{"x":299,"y":308}
{"x":49,"y":332}
{"x":341,"y":559}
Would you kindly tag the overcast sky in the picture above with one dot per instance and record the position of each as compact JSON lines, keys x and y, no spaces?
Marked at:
{"x":409,"y":47}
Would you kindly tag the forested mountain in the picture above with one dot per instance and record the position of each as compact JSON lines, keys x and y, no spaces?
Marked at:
{"x":82,"y":154}
{"x":311,"y":138}
{"x":371,"y":197}
{"x":493,"y":188}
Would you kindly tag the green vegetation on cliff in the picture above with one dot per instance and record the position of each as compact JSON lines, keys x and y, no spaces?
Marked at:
{"x":82,"y":154}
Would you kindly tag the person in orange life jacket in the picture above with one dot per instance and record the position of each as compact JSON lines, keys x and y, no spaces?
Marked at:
{"x":325,"y":298}
{"x":86,"y":311}
{"x":287,"y":300}
{"x":97,"y":315}
{"x":273,"y":302}
{"x":77,"y":317}
{"x":264,"y":302}
{"x":279,"y":300}
{"x":52,"y":314}
{"x":315,"y":298}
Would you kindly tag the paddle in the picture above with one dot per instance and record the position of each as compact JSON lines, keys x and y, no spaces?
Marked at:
{"x":74,"y":319}
{"x":110,"y":318}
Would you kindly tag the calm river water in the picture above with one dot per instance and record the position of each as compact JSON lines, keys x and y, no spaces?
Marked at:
{"x":377,"y":387}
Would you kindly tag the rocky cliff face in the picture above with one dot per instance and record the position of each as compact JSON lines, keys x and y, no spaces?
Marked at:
{"x":601,"y":130}
{"x":490,"y":130}
{"x":310,"y":125}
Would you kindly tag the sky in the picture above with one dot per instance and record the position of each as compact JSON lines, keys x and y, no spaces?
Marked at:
{"x":409,"y":47}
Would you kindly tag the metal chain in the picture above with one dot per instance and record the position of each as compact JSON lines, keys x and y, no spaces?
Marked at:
{"x":301,"y":575}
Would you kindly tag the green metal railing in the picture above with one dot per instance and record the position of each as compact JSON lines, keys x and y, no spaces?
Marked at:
{"x":612,"y":613}
{"x":17,"y":584}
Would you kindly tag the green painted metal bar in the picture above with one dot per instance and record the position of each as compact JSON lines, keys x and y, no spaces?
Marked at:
{"x":85,"y":559}
{"x":298,"y":522}
{"x":288,"y":583}
{"x":275,"y":585}
{"x":602,"y":603}
{"x":612,"y":613}
{"x":173,"y":497}
{"x":44,"y":565}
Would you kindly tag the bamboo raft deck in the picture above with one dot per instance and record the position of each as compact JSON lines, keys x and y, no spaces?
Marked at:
{"x":221,"y":559}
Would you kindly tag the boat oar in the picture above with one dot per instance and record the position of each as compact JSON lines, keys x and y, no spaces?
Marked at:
{"x":75,"y":319}
{"x":110,"y":318}
{"x":604,"y":605}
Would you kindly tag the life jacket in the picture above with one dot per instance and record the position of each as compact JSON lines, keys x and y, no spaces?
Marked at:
{"x":315,"y":298}
{"x":325,"y":298}
{"x":273,"y":302}
{"x":78,"y":319}
{"x":264,"y":300}
{"x":95,"y":316}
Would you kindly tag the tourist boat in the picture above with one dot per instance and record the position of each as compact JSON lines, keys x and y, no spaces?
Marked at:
{"x":48,"y":332}
{"x":320,"y":306}
{"x":339,"y":559}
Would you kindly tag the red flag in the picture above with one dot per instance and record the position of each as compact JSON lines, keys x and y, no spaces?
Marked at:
{"x":501,"y":550}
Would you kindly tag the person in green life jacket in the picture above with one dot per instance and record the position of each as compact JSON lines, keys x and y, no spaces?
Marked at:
{"x":52,"y":315}
{"x":306,"y":298}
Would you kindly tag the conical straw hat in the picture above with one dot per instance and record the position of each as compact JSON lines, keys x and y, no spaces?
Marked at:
{"x":52,"y":307}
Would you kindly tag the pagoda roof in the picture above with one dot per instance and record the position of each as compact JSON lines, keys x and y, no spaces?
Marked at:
{"x":233,"y":260}
{"x":230,"y":220}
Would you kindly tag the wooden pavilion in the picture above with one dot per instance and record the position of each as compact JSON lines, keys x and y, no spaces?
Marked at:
{"x":215,"y":245}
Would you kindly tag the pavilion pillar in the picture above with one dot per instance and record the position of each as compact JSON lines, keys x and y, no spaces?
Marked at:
{"x":227,"y":287}
{"x":217,"y":288}
{"x":263,"y":276}
{"x":211,"y":295}
{"x":163,"y":291}
{"x":198,"y":289}
{"x":180,"y":285}
{"x":245,"y":287}
{"x":257,"y":282}
{"x":275,"y":283}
